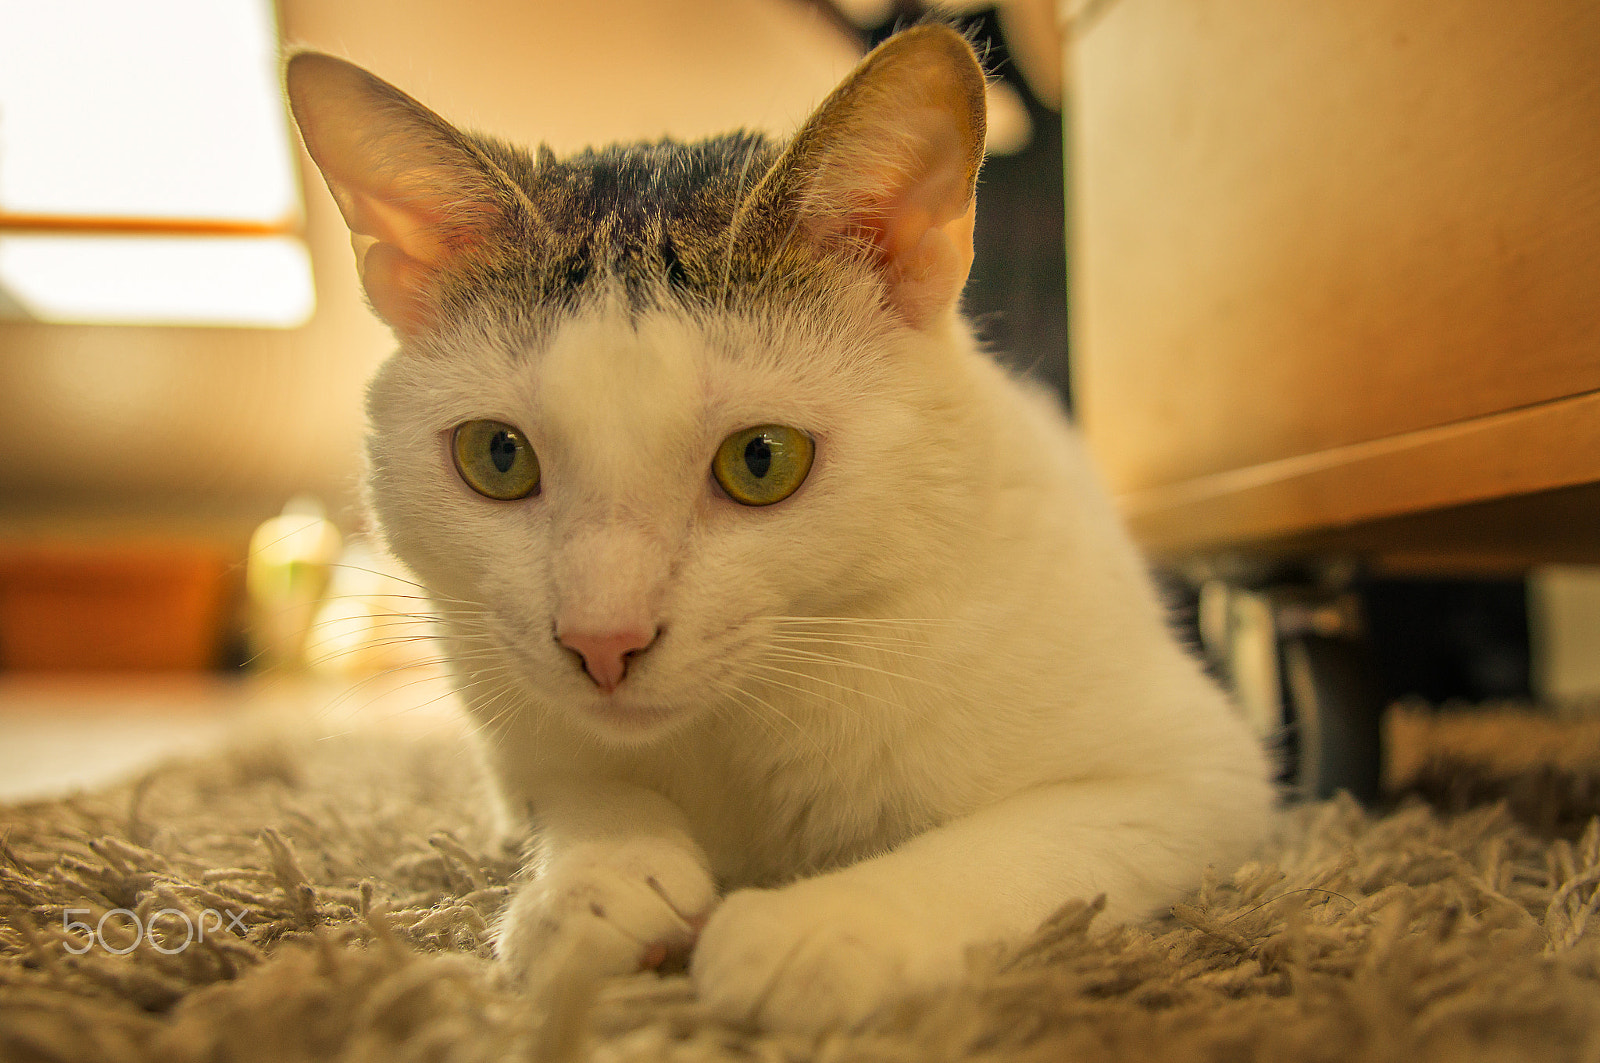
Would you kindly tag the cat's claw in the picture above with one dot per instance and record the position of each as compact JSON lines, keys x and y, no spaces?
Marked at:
{"x":818,"y":955}
{"x":605,"y":909}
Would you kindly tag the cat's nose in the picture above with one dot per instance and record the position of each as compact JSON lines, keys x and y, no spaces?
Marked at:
{"x":605,"y":656}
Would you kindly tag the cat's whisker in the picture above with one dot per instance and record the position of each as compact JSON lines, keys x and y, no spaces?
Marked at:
{"x":740,"y":694}
{"x":508,"y":719}
{"x":440,"y":622}
{"x":865,"y":620}
{"x":398,"y":640}
{"x":347,"y":566}
{"x":409,"y":708}
{"x":388,"y":595}
{"x":762,"y":666}
{"x":730,"y":685}
{"x":860,"y":634}
{"x":496,"y":725}
{"x":340,"y":703}
{"x":334,"y":654}
{"x":390,"y":642}
{"x":393,"y":638}
{"x":340,"y":706}
{"x":843,"y":651}
{"x":366,"y":634}
{"x":388,"y":619}
{"x":846,"y":637}
{"x":471,"y":687}
{"x":866,"y":645}
{"x":795,"y":655}
{"x":487,"y":711}
{"x":459,"y":618}
{"x":901,"y":663}
{"x":849,"y":690}
{"x":372,"y":613}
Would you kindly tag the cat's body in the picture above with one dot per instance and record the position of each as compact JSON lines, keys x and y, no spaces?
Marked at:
{"x":914,"y":702}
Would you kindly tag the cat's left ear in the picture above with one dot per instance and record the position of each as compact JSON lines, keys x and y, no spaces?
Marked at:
{"x":419,"y":197}
{"x":890,"y":159}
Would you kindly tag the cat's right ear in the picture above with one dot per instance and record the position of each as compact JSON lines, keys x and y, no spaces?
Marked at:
{"x":888,"y":166}
{"x":419,"y":198}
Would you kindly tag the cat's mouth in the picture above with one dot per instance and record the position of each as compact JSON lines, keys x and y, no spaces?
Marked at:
{"x":631,"y":719}
{"x":622,"y":712}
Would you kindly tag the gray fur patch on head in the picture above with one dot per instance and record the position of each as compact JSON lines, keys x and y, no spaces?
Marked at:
{"x":663,"y":222}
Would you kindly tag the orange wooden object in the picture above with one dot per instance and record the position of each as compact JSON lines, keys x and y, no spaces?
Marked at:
{"x":1337,"y":267}
{"x":111,"y":607}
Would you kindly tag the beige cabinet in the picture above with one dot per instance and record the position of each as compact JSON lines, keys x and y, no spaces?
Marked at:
{"x":1336,"y":273}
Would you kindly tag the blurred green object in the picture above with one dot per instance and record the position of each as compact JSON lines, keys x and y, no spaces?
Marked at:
{"x":289,"y":569}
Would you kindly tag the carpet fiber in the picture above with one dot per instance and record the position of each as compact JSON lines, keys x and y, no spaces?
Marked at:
{"x":356,"y":879}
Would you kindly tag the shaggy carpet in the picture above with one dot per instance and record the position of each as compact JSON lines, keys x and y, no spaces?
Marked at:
{"x":345,"y":890}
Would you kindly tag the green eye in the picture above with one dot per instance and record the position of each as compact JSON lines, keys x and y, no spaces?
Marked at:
{"x":495,"y":460}
{"x":762,"y":465}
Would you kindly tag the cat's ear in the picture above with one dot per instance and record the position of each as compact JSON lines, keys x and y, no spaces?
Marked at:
{"x":891,"y":159}
{"x":418,"y":196}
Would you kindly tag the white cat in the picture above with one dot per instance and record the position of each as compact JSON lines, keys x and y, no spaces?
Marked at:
{"x":800,"y":630}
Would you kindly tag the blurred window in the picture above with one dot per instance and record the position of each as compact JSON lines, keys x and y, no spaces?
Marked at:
{"x":147,"y":173}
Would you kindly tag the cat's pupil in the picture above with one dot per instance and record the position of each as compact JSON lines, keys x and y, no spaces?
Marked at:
{"x":502,"y":451}
{"x":758,"y":456}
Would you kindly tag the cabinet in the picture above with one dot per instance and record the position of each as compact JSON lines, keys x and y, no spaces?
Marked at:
{"x":1335,"y":274}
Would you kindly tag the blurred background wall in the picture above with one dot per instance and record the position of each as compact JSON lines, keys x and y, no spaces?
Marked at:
{"x":206,"y":431}
{"x":123,"y":447}
{"x":112,"y":434}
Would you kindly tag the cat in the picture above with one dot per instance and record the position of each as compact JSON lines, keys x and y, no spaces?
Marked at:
{"x":799,"y":630}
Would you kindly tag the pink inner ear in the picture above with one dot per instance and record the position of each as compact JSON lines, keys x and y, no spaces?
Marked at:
{"x":397,"y":284}
{"x":905,"y":188}
{"x":410,"y":226}
{"x":413,"y":240}
{"x":413,"y":190}
{"x":895,"y":225}
{"x":925,"y":278}
{"x":922,"y":234}
{"x":417,"y":236}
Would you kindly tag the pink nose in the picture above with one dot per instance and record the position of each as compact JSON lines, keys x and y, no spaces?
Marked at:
{"x":605,"y":657}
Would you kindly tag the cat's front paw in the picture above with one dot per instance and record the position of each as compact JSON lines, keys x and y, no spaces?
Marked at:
{"x":819,"y":954}
{"x":605,"y":909}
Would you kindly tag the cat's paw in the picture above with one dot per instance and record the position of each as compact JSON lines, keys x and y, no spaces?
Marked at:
{"x":605,"y":909}
{"x":819,"y":954}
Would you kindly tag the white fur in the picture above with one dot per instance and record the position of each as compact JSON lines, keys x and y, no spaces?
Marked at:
{"x":1007,"y":725}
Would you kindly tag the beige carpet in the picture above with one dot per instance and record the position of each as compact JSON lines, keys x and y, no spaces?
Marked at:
{"x":367,"y":877}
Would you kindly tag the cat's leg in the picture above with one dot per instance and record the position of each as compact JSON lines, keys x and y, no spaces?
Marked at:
{"x":834,"y":949}
{"x":619,"y":885}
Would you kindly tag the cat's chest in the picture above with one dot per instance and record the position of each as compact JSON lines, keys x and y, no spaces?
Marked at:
{"x":765,"y":818}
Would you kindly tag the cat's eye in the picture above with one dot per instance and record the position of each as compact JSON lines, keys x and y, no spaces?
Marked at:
{"x":495,"y":460}
{"x":762,"y":465}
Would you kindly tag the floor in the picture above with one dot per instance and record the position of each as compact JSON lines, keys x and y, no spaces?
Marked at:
{"x":60,"y":733}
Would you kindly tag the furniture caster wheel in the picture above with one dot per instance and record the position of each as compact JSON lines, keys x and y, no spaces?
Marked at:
{"x":1335,"y":714}
{"x":1295,"y":661}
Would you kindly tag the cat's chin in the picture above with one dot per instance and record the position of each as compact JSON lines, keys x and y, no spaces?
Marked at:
{"x":625,"y":721}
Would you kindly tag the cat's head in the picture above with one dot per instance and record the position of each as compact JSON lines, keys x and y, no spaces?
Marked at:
{"x":650,"y":399}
